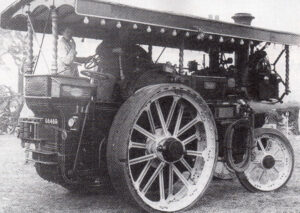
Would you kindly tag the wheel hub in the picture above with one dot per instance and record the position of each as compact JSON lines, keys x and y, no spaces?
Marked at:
{"x":268,"y":162}
{"x":171,"y":150}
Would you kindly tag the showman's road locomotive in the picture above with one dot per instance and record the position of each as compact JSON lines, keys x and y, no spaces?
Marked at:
{"x":154,"y":130}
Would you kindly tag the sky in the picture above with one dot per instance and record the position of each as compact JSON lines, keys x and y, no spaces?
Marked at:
{"x":271,"y":14}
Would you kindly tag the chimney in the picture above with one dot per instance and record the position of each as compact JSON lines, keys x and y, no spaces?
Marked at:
{"x":243,"y":18}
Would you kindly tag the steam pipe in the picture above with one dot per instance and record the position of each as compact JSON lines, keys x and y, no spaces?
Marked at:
{"x":87,"y":109}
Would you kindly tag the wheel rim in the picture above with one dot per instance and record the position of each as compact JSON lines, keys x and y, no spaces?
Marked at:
{"x":171,"y":152}
{"x":271,"y":163}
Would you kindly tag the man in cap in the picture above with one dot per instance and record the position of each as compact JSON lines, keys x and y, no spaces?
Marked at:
{"x":67,"y":59}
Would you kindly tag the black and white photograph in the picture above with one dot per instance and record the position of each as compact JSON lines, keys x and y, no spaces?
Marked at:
{"x":149,"y":106}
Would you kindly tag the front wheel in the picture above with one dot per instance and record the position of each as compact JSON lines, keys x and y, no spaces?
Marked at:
{"x":271,"y":163}
{"x":162,"y":148}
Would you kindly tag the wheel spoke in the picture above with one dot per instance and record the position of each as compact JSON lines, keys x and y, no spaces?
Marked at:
{"x":261,"y":175}
{"x":275,"y":152}
{"x":153,"y":177}
{"x":181,"y":177}
{"x":161,"y":117}
{"x":190,"y":139}
{"x":142,"y":159}
{"x":144,"y":132}
{"x":171,"y":113}
{"x":161,"y":185}
{"x":255,"y":162}
{"x":267,"y":177}
{"x":143,"y":173}
{"x":151,"y":121}
{"x":178,"y":121}
{"x":194,"y":153}
{"x":186,"y":164}
{"x":279,"y":163}
{"x":276,"y":170}
{"x":279,"y":160}
{"x":261,"y":145}
{"x":171,"y":179}
{"x":188,"y":126}
{"x":253,"y":168}
{"x":137,"y":145}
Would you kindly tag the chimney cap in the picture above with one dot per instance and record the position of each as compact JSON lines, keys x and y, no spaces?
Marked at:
{"x":243,"y":18}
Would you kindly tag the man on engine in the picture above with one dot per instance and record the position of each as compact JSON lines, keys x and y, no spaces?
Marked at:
{"x":67,"y":60}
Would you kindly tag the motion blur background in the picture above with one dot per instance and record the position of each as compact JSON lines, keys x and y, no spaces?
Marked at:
{"x":282,"y":15}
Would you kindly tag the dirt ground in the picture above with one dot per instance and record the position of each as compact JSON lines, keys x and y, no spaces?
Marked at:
{"x":21,"y":190}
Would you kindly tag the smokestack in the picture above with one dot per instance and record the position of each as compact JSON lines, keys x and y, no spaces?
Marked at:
{"x":243,"y":18}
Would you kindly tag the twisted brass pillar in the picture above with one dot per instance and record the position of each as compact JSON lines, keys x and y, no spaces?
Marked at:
{"x":29,"y":59}
{"x":55,"y":39}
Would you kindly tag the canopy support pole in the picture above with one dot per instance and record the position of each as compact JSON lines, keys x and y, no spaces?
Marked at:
{"x":29,"y":61}
{"x":181,"y":50}
{"x":150,"y":51}
{"x":39,"y":44}
{"x":55,"y":40}
{"x":287,"y":69}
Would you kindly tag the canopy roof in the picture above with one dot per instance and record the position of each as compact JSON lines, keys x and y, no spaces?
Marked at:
{"x":101,"y":19}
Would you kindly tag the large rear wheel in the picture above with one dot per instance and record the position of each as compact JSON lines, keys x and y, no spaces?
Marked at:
{"x":271,"y":164}
{"x":162,"y":148}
